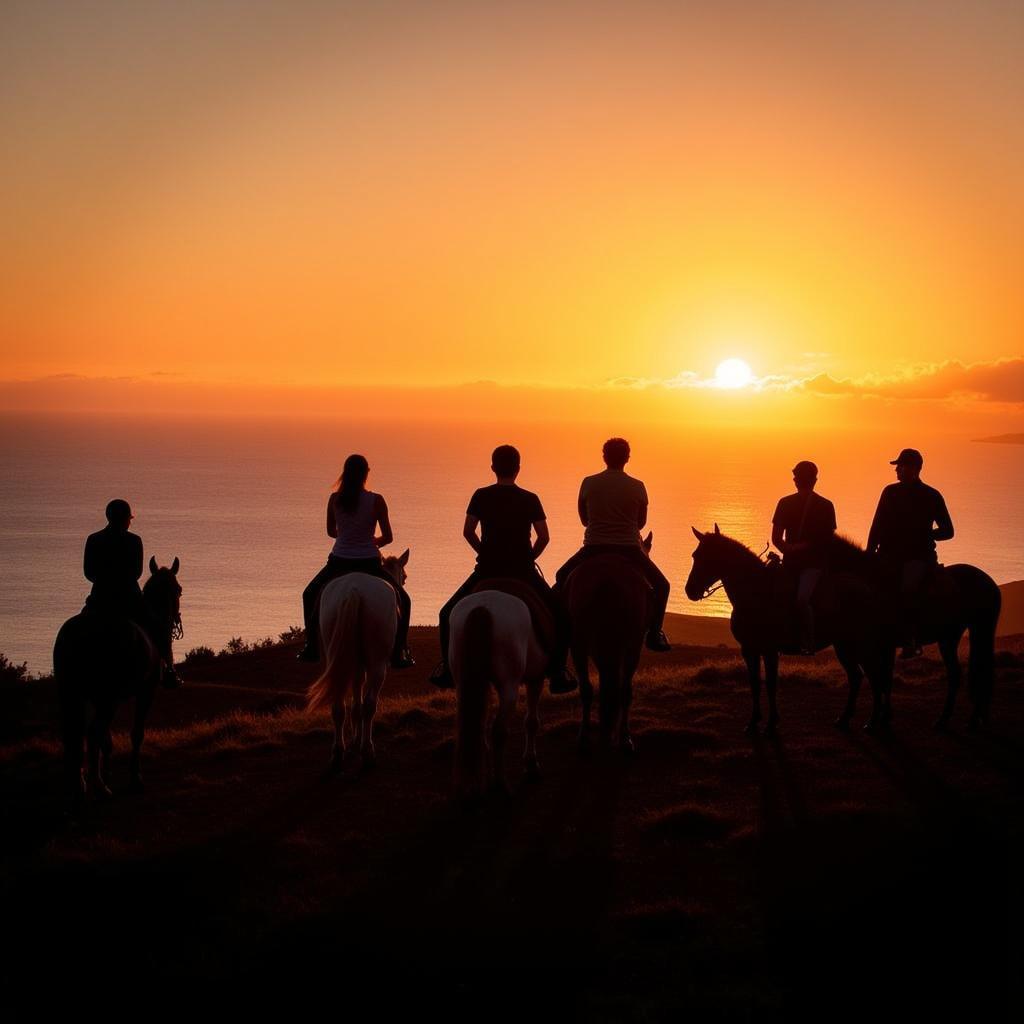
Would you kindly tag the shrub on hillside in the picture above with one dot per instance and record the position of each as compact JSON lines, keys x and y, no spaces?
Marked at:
{"x":236,"y":645}
{"x":12,"y":674}
{"x":293,"y":635}
{"x":200,"y":654}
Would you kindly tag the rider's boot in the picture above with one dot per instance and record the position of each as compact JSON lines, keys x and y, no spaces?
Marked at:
{"x":441,"y":677}
{"x":657,"y":641}
{"x":402,"y":658}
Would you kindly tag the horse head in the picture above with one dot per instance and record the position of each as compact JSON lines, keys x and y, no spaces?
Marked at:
{"x":709,"y":563}
{"x":163,"y":593}
{"x":394,"y":566}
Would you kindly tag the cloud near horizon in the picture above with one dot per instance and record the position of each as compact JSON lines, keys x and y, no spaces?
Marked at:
{"x":999,"y":381}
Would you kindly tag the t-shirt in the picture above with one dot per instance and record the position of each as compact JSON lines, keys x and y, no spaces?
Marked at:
{"x":902,"y":527}
{"x":113,"y":562}
{"x":613,"y":501}
{"x":506,"y":513}
{"x":807,"y":518}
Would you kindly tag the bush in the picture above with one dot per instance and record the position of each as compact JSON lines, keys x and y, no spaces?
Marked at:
{"x":293,"y":635}
{"x":12,"y":674}
{"x":199,"y":654}
{"x":236,"y":645}
{"x":265,"y":644}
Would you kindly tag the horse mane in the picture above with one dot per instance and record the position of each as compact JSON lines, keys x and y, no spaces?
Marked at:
{"x":734,"y":550}
{"x":846,"y":553}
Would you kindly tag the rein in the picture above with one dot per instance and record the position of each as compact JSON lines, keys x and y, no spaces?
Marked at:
{"x":714,"y":588}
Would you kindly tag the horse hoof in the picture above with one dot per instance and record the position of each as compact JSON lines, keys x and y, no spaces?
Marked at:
{"x":627,"y":747}
{"x":100,"y":790}
{"x":531,"y":771}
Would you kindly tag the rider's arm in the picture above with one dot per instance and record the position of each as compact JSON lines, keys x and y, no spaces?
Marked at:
{"x":581,"y":507}
{"x":943,"y":522}
{"x":641,"y":516}
{"x":385,"y":536}
{"x":469,"y":532}
{"x":332,"y":520}
{"x":874,"y":534}
{"x":543,"y":536}
{"x":777,"y":537}
{"x":90,"y":562}
{"x":136,"y":556}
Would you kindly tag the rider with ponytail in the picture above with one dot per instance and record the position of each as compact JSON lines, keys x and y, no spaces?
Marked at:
{"x":353,"y":515}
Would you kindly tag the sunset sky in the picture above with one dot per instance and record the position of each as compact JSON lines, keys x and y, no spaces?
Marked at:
{"x":232,"y":198}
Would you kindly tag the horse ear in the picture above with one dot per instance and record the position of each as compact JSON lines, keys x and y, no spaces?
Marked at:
{"x":152,"y":564}
{"x":697,"y":533}
{"x":717,"y":530}
{"x":403,"y":558}
{"x":175,"y":566}
{"x":648,"y":541}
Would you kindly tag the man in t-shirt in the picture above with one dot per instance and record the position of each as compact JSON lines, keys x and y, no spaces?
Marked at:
{"x":505,"y":515}
{"x":910,"y":518}
{"x":801,"y":528}
{"x":613,"y":510}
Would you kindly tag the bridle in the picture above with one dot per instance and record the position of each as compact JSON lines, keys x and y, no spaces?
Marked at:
{"x":715,"y":587}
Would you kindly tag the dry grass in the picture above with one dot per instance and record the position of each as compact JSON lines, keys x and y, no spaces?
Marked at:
{"x":712,"y":874}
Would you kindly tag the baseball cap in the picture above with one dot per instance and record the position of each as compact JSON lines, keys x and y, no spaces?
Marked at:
{"x":909,"y":457}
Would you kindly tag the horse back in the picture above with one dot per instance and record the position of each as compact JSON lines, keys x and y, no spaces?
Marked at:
{"x":608,"y":605}
{"x":103,"y":655}
{"x":377,"y":601}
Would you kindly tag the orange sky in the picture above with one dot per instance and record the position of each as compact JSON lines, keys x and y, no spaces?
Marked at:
{"x":323,"y":196}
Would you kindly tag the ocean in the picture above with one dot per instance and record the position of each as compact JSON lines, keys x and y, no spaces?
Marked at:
{"x":241,"y":503}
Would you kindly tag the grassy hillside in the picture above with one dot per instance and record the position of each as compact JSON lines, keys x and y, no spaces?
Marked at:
{"x":814,"y":874}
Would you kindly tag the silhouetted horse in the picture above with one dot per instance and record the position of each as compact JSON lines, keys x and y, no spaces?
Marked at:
{"x":846,"y":618}
{"x":102,"y":659}
{"x":609,"y":611}
{"x":960,"y":598}
{"x":358,"y":621}
{"x":493,"y":643}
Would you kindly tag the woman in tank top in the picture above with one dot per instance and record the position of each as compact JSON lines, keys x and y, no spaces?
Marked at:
{"x":353,"y":514}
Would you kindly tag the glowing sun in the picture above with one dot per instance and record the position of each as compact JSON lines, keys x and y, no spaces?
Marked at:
{"x":733,"y":373}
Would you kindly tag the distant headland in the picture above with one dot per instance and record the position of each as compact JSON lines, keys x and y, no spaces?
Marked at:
{"x":1001,"y":439}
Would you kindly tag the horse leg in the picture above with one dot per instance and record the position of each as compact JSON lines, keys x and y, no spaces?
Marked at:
{"x":499,"y":734}
{"x":142,"y":703}
{"x":753,"y":660}
{"x":881,"y":691}
{"x":608,"y":705}
{"x":368,"y":707}
{"x":626,"y":744}
{"x":358,"y":731}
{"x":586,"y":689}
{"x":530,"y":762}
{"x":771,"y":679}
{"x":338,"y":716}
{"x":98,"y":740}
{"x":73,"y":723}
{"x":854,"y":677}
{"x":948,"y":648}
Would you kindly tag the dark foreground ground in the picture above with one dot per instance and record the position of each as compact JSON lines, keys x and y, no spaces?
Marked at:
{"x":817,"y":875}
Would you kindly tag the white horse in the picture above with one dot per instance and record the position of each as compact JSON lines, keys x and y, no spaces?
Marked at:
{"x":358,"y":622}
{"x":493,"y":644}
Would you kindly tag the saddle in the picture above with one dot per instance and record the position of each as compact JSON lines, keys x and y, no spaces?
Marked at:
{"x":542,"y":620}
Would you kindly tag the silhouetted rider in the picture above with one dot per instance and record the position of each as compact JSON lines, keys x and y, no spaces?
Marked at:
{"x":613,"y":509}
{"x":113,"y":564}
{"x":801,"y":528}
{"x":505,"y":515}
{"x":910,"y":518}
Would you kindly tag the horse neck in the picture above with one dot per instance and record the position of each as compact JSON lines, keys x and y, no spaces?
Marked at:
{"x":742,"y":575}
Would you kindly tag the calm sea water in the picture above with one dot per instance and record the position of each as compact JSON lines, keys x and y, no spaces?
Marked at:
{"x":242,"y":505}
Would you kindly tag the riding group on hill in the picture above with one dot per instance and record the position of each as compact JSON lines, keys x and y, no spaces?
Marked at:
{"x":824,"y":591}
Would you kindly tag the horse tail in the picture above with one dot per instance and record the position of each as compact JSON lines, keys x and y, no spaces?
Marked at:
{"x":342,"y":654}
{"x":981,"y":664}
{"x":471,"y":714}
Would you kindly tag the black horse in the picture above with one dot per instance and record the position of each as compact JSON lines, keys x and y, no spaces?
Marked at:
{"x":856,"y":613}
{"x":102,"y":659}
{"x":957,"y":599}
{"x":763,"y":627}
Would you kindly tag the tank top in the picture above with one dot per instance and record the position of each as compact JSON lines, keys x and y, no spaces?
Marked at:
{"x":355,"y":529}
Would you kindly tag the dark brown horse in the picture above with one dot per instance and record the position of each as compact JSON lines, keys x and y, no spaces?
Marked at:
{"x":608,"y":601}
{"x":845,"y":619}
{"x":959,"y":599}
{"x":856,"y":613}
{"x":101,"y":660}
